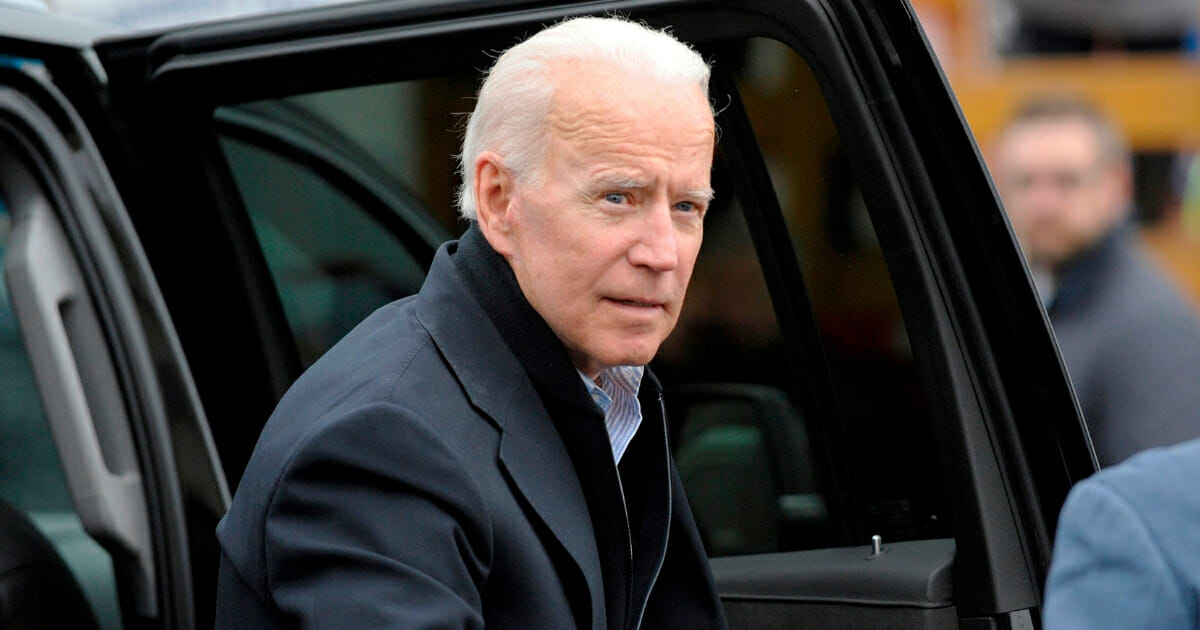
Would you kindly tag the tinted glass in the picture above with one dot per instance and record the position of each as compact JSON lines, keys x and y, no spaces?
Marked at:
{"x":758,"y":455}
{"x":348,"y":192}
{"x":861,"y":328}
{"x":332,"y":262}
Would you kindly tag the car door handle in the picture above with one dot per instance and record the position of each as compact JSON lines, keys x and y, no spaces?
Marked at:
{"x":66,"y":345}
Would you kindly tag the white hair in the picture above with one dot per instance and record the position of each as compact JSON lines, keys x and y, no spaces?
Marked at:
{"x":516,"y":97}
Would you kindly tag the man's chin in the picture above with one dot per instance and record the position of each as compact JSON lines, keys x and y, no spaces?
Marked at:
{"x":629,"y":357}
{"x":1053,"y":262}
{"x":1045,"y":257}
{"x":616,"y":348}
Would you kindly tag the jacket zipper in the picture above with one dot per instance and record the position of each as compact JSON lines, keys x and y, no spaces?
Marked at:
{"x":628,"y":526}
{"x":662,"y":557}
{"x":628,"y":539}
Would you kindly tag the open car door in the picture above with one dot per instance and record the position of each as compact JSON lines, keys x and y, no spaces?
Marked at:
{"x":109,"y":480}
{"x":868,"y":411}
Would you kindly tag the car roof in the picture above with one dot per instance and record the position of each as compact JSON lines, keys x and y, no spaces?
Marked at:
{"x":27,"y":23}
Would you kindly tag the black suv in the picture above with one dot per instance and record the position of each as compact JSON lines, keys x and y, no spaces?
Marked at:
{"x":869,"y":412}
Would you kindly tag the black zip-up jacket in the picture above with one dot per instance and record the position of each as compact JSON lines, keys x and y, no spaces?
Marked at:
{"x":444,"y":467}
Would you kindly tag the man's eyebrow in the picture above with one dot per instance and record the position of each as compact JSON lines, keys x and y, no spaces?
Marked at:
{"x":632,"y":182}
{"x":621,"y":181}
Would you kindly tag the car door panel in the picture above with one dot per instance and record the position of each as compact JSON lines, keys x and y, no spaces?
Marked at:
{"x":71,"y":361}
{"x":903,"y":585}
{"x":69,"y":358}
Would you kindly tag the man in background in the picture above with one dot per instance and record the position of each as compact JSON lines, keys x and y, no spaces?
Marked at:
{"x":1130,"y":340}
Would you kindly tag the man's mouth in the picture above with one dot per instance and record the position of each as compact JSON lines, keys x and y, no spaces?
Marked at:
{"x":636,"y":302}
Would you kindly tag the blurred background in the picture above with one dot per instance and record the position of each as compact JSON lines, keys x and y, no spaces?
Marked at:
{"x":1136,"y":61}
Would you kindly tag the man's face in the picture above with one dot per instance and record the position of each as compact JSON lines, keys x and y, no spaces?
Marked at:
{"x":1061,"y":195}
{"x":603,"y":237}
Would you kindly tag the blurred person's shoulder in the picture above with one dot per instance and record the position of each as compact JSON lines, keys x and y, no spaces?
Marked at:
{"x":1123,"y":557}
{"x":1138,"y":291}
{"x":1160,"y":485}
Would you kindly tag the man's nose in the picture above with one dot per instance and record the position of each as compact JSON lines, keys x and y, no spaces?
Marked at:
{"x":656,"y":245}
{"x":1044,"y":198}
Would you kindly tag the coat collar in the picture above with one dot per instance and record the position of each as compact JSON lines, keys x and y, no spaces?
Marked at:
{"x":500,"y":349}
{"x":1079,"y":280}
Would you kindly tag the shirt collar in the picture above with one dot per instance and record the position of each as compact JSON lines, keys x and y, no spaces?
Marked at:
{"x":617,"y":397}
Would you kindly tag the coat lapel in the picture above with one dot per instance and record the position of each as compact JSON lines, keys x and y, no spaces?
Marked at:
{"x":534,"y":456}
{"x":531,"y":450}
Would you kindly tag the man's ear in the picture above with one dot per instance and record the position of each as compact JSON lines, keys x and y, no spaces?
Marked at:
{"x":494,"y":195}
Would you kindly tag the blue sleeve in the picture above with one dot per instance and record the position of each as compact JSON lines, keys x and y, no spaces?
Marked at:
{"x":1109,"y":570}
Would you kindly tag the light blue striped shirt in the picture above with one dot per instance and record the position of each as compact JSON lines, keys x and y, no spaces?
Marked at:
{"x":616,"y":395}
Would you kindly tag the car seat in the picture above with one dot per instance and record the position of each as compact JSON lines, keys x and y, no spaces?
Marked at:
{"x":37,"y":590}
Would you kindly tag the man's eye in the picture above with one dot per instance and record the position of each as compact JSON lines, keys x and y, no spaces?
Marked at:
{"x":615,"y":197}
{"x":686,"y":206}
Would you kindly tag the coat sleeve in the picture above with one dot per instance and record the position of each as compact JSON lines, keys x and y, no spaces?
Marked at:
{"x":1108,"y":569}
{"x":375,"y":523}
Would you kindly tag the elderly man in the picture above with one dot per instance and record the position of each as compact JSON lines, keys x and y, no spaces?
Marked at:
{"x":1130,"y":341}
{"x":492,"y":452}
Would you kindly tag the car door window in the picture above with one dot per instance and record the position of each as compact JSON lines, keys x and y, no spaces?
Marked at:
{"x":760,"y":456}
{"x":332,"y":263}
{"x":861,"y":329}
{"x":335,"y":248}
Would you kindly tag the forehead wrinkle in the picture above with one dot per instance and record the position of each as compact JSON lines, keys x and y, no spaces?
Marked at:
{"x":582,"y":116}
{"x":616,"y":144}
{"x":615,"y":133}
{"x":587,"y":125}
